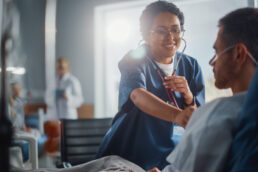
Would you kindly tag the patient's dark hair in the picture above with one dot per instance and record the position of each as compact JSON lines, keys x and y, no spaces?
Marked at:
{"x":153,"y":10}
{"x":241,"y":25}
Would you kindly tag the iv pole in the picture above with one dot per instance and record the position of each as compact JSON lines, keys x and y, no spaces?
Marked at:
{"x":5,"y":124}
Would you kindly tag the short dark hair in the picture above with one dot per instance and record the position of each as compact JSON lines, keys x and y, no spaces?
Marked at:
{"x":153,"y":10}
{"x":241,"y":25}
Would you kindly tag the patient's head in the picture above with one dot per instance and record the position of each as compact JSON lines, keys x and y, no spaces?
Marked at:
{"x":236,"y":49}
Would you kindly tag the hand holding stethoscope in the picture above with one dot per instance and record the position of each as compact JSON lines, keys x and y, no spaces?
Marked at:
{"x":179,"y":83}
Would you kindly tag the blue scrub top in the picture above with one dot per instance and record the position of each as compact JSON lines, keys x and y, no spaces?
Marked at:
{"x":135,"y":135}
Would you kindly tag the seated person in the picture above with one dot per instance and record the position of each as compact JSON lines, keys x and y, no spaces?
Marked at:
{"x":209,"y":133}
{"x":17,"y":118}
{"x":17,"y":111}
{"x":243,"y":154}
{"x":208,"y":136}
{"x":17,"y":107}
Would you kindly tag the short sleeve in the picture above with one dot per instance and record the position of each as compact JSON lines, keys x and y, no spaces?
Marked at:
{"x":132,"y":77}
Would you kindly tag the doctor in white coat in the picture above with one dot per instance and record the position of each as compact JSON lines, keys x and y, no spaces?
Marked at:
{"x":68,"y":93}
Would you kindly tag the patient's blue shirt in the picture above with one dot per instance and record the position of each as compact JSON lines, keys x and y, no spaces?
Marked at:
{"x":135,"y":135}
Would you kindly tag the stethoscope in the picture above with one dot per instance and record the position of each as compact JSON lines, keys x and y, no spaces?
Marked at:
{"x":180,"y":56}
{"x":170,"y":94}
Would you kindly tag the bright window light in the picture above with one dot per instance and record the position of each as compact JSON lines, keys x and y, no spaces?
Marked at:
{"x":10,"y":69}
{"x":118,"y":30}
{"x":15,"y":70}
{"x":19,"y":71}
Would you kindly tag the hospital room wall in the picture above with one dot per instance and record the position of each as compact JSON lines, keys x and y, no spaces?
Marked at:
{"x":74,"y":39}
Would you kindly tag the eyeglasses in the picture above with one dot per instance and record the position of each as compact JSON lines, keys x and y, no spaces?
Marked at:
{"x":216,"y":56}
{"x":163,"y":33}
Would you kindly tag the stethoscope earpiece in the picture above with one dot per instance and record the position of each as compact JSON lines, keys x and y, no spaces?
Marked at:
{"x":180,"y":57}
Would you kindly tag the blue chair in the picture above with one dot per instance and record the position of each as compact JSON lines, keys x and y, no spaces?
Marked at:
{"x":24,"y":152}
{"x":26,"y":147}
{"x":33,"y":121}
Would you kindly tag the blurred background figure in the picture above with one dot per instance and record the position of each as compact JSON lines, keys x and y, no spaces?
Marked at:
{"x":26,"y":139}
{"x":17,"y":114}
{"x":68,"y":91}
{"x":17,"y":107}
{"x":68,"y":97}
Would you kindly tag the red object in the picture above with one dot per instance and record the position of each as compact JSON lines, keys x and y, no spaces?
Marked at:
{"x":52,"y":130}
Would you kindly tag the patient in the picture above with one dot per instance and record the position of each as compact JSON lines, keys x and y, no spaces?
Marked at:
{"x":17,"y":115}
{"x":208,"y":136}
{"x":243,"y":154}
{"x":17,"y":107}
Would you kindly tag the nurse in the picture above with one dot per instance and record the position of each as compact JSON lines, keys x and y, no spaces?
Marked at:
{"x":151,"y":99}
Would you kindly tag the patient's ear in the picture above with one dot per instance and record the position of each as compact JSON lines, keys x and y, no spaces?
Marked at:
{"x":240,"y":53}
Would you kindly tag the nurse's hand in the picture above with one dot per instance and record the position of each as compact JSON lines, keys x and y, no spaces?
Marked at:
{"x":183,"y":117}
{"x":179,"y":84}
{"x":154,"y":170}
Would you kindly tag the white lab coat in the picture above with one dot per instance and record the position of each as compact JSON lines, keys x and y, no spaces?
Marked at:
{"x":67,"y":109}
{"x":207,"y":138}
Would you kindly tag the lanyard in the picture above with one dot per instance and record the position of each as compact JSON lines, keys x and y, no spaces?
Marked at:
{"x":169,"y":93}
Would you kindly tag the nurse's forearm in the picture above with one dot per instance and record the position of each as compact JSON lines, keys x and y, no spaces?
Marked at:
{"x":151,"y":104}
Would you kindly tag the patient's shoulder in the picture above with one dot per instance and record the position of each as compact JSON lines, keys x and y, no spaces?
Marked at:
{"x":220,"y":109}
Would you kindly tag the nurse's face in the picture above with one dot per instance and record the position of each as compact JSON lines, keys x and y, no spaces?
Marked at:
{"x":164,"y":37}
{"x":223,"y":66}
